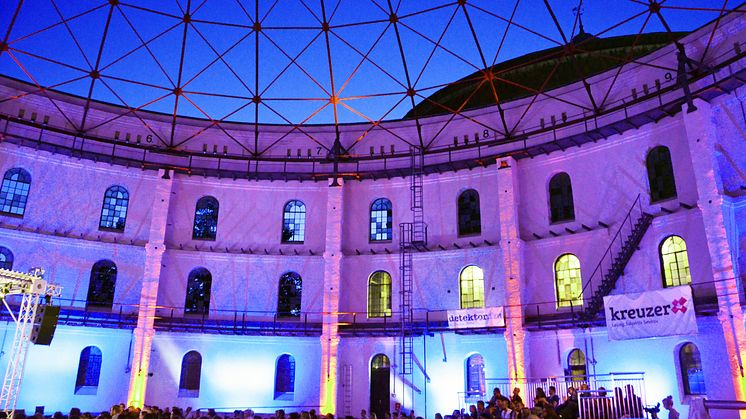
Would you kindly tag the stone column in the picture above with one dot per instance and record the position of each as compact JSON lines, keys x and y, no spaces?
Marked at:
{"x":511,"y":251}
{"x":701,"y":128}
{"x":143,"y":333}
{"x":332,"y":279}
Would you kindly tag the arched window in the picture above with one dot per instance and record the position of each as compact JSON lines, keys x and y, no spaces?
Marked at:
{"x":379,"y":294}
{"x":561,"y":205}
{"x":102,"y":284}
{"x":206,"y":219}
{"x":289,"y":295}
{"x":6,"y":258}
{"x":89,"y":370}
{"x":471,"y":283}
{"x":198,"y":292}
{"x":14,"y":191}
{"x":568,"y":281}
{"x":294,"y":222}
{"x":692,"y":375}
{"x":475,"y":385}
{"x":191,"y":372}
{"x":577,"y":368}
{"x":660,"y":174}
{"x":674,"y":262}
{"x":380,"y":220}
{"x":285,"y":377}
{"x":469,"y":220}
{"x":114,"y":209}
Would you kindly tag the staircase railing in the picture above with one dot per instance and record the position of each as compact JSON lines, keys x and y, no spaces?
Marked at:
{"x":611,"y":266}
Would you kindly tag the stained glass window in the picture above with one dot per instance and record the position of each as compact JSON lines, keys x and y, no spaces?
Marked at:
{"x":568,"y":281}
{"x":675,"y":262}
{"x":294,"y":222}
{"x":379,"y":294}
{"x":102,"y":284}
{"x":475,"y":382}
{"x":289,"y":295}
{"x":285,"y":377}
{"x":380,"y":220}
{"x":206,"y":219}
{"x":6,"y":258}
{"x":198,"y":292}
{"x":471,"y":283}
{"x":14,"y":191}
{"x":692,"y":374}
{"x":114,"y":209}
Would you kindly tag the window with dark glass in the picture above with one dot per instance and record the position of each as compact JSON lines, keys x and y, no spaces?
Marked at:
{"x":692,"y":374}
{"x":381,"y":220}
{"x":102,"y":284}
{"x":289,"y":295}
{"x":206,"y":219}
{"x":114,"y":209}
{"x":674,"y":262}
{"x":471,"y":283}
{"x":567,"y":281}
{"x":191,"y":372}
{"x":6,"y":258}
{"x":294,"y":222}
{"x":561,"y":204}
{"x":469,"y":219}
{"x":475,"y":382}
{"x":379,"y":294}
{"x":285,"y":377}
{"x":578,"y":369}
{"x":89,"y":370}
{"x":660,"y":174}
{"x":14,"y":191}
{"x":198,"y":292}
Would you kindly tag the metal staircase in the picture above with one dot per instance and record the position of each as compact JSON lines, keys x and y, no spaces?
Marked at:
{"x":623,"y":245}
{"x":412,"y":236}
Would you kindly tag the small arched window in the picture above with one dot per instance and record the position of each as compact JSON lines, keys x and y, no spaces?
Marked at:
{"x":198,"y":292}
{"x":381,"y":220}
{"x":206,"y":219}
{"x":561,"y":206}
{"x":471,"y":283}
{"x":6,"y":258}
{"x":674,"y":262}
{"x":285,"y":377}
{"x":294,"y":222}
{"x":289,"y":295}
{"x":89,"y":371}
{"x":14,"y":191}
{"x":379,"y":295}
{"x":475,"y":383}
{"x":469,"y":219}
{"x":191,"y":373}
{"x":660,"y":174}
{"x":578,"y":369}
{"x":567,"y":281}
{"x":114,"y":209}
{"x":102,"y":284}
{"x":692,"y":375}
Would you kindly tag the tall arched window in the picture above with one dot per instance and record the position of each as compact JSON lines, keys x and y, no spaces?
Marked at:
{"x":198,"y":292}
{"x":561,"y":206}
{"x":471,"y":283}
{"x":206,"y":219}
{"x":89,"y":370}
{"x":379,"y":294}
{"x":114,"y":209}
{"x":285,"y":377}
{"x":674,"y":262}
{"x":660,"y":174}
{"x":380,"y":220}
{"x":576,"y":365}
{"x":14,"y":191}
{"x":475,"y":383}
{"x":294,"y":222}
{"x":6,"y":258}
{"x":289,"y":295}
{"x":191,"y":372}
{"x":469,"y":219}
{"x":102,"y":284}
{"x":692,"y":375}
{"x":567,"y":281}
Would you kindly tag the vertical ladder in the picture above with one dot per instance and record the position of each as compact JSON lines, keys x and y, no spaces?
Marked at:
{"x":412,"y":236}
{"x":347,"y":388}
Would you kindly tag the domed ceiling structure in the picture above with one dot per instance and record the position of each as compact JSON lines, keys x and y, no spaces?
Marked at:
{"x":314,"y":79}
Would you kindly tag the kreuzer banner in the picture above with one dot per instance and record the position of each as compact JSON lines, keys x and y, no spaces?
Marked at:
{"x":665,"y":312}
{"x":476,"y":317}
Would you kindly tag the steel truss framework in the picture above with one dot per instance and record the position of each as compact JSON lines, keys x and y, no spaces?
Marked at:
{"x":301,"y":62}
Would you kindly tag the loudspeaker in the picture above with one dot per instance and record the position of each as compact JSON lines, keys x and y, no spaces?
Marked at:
{"x":45,"y":324}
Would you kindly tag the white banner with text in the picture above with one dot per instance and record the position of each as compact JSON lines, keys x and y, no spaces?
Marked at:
{"x":666,"y":312}
{"x":476,"y":317}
